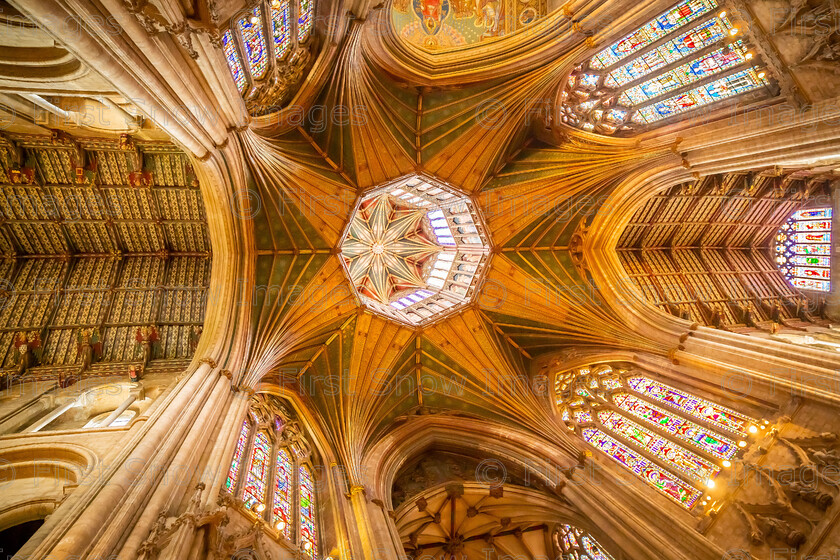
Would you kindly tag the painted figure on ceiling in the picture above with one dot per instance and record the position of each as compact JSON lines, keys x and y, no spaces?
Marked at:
{"x":88,"y":347}
{"x":431,"y":13}
{"x":489,"y":15}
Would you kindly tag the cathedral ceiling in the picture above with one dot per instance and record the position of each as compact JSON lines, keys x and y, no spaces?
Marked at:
{"x":100,"y":238}
{"x":362,"y":372}
{"x":385,"y":109}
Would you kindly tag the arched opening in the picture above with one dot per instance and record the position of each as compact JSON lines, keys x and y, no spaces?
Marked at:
{"x":13,"y":538}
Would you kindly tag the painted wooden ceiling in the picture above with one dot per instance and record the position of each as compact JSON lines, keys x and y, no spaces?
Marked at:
{"x":102,"y":235}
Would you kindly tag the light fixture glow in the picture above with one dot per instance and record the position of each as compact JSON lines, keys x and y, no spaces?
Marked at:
{"x":742,"y":443}
{"x":710,"y":483}
{"x":261,"y":508}
{"x":733,"y":31}
{"x":753,"y":429}
{"x":255,"y":20}
{"x":727,"y":464}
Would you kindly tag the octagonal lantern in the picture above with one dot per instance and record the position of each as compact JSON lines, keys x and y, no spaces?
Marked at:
{"x":415,"y":250}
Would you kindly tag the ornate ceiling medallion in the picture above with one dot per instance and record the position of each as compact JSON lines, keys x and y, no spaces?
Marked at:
{"x":415,"y":250}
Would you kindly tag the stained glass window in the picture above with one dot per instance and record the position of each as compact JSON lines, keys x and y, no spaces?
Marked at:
{"x":274,"y":476}
{"x":704,"y":35}
{"x":234,"y":63}
{"x":308,"y":531}
{"x":699,"y":408}
{"x":679,"y":452}
{"x":305,"y":9}
{"x":254,"y":493}
{"x":722,"y":88}
{"x":257,"y":48}
{"x":238,"y":453}
{"x":280,"y":27}
{"x":678,"y":16}
{"x":281,"y":513}
{"x":688,"y":73}
{"x":253,"y":37}
{"x":803,"y":249}
{"x":714,"y":444}
{"x":675,"y":455}
{"x":647,"y":76}
{"x":575,"y":544}
{"x":662,"y":480}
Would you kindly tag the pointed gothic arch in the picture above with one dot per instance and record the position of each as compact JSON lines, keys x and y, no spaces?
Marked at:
{"x":271,"y":470}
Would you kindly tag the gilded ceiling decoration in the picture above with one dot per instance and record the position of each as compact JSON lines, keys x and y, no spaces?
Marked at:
{"x":415,"y":250}
{"x":446,"y":24}
{"x":353,"y":249}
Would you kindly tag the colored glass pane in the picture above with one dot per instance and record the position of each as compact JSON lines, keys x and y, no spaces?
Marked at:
{"x":706,"y":34}
{"x":253,"y":37}
{"x":280,"y":27}
{"x":702,"y":438}
{"x":576,"y":544}
{"x":695,"y":406}
{"x":718,"y":90}
{"x":282,"y":503}
{"x":812,"y":214}
{"x":305,"y":9}
{"x":258,"y":468}
{"x":673,"y":455}
{"x":713,"y":63}
{"x":678,"y":16}
{"x":236,"y":463}
{"x":816,"y":285}
{"x":308,"y":531}
{"x":812,"y":225}
{"x":662,"y":480}
{"x":233,"y":61}
{"x":808,"y":260}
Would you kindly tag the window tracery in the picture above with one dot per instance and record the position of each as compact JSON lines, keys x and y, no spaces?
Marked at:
{"x":267,"y":50}
{"x":803,"y":249}
{"x":674,"y":440}
{"x":576,"y":544}
{"x":689,"y":57}
{"x":278,"y":474}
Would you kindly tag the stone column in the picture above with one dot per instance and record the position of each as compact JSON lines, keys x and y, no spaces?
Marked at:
{"x":120,"y":409}
{"x":110,"y":500}
{"x":43,"y":422}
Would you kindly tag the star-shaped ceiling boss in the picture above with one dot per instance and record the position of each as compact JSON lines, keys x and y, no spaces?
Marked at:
{"x":415,"y":250}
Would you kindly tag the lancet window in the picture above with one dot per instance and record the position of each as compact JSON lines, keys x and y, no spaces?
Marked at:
{"x":692,"y":56}
{"x":803,"y":249}
{"x":675,"y":441}
{"x":266,"y":48}
{"x":271,"y":476}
